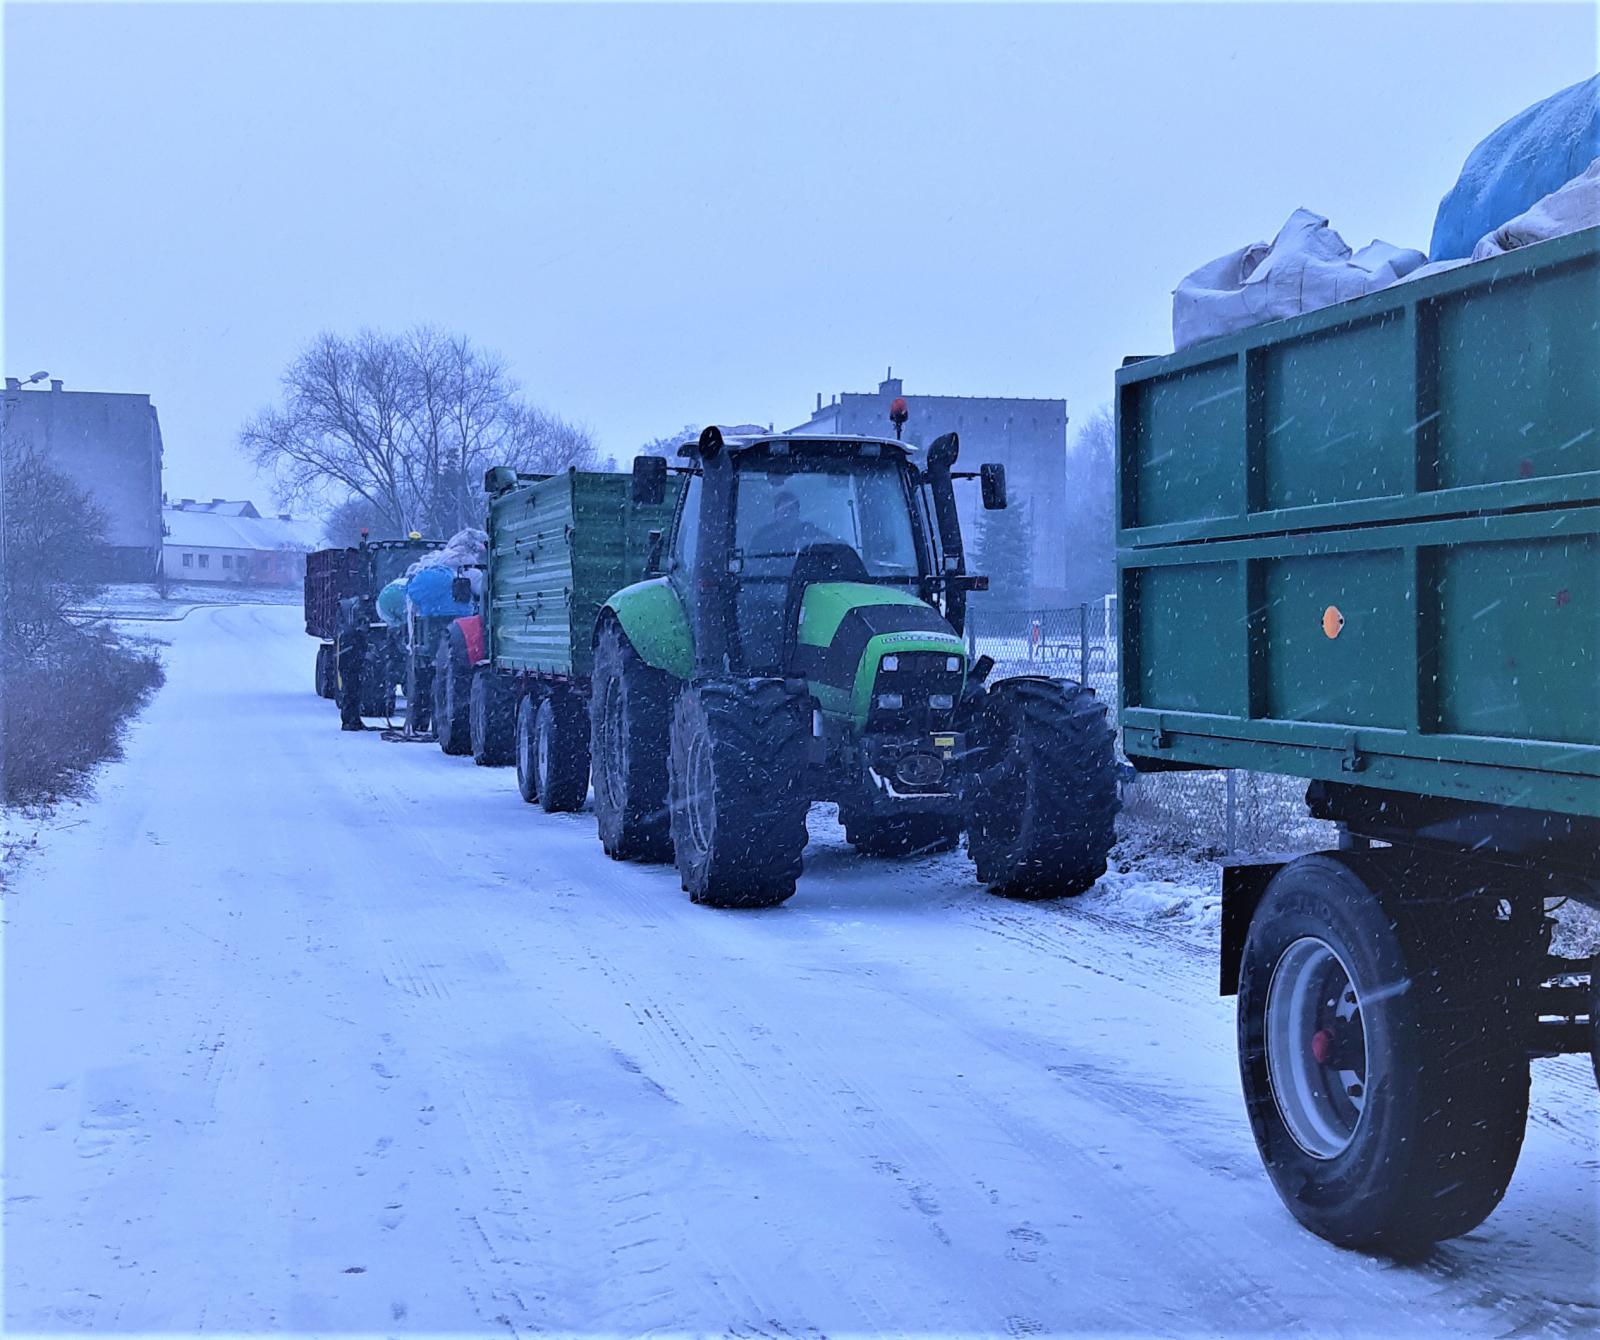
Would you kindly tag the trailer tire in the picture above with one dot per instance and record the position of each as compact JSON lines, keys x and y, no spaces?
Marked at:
{"x":737,"y":790}
{"x":325,"y":673}
{"x":527,"y":772}
{"x":561,"y":752}
{"x":1415,"y":1139}
{"x":450,"y":694}
{"x":900,"y":834}
{"x":628,"y":732}
{"x":1040,"y":789}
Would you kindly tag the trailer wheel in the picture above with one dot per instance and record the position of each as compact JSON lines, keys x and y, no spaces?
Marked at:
{"x":1040,"y":789}
{"x":1383,"y":1072}
{"x":901,"y":834}
{"x":561,"y":752}
{"x":490,"y":721}
{"x":736,"y":787}
{"x":527,"y":773}
{"x":324,"y":674}
{"x":450,"y":694}
{"x":628,"y":732}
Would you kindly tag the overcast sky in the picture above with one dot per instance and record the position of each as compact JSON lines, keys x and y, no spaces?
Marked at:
{"x":671,"y":214}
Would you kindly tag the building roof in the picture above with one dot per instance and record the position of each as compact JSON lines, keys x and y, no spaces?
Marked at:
{"x":219,"y":530}
{"x":219,"y":506}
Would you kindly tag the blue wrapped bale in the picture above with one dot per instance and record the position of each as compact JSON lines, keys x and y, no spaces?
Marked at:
{"x":1534,"y":153}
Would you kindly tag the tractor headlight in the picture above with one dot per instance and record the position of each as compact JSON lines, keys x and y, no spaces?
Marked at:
{"x":889,"y":663}
{"x":953,"y":664}
{"x":941,"y":702}
{"x":891,"y":702}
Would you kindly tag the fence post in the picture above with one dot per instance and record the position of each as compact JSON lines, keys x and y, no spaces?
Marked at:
{"x":1083,"y":643}
{"x":972,"y":635}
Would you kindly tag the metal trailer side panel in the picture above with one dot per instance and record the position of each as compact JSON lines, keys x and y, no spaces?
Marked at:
{"x":1477,"y":389}
{"x":558,"y":548}
{"x":1363,"y":546}
{"x":331,"y":575}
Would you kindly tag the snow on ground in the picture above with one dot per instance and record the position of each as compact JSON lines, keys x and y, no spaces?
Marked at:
{"x":316,"y":1032}
{"x":141,"y":602}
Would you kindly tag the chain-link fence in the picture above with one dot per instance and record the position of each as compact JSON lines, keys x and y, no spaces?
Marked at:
{"x":1223,"y":812}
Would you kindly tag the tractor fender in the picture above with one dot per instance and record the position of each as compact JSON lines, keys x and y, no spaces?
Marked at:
{"x":471,"y":627}
{"x":655,"y":623}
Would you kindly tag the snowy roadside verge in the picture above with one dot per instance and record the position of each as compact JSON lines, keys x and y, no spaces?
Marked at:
{"x":137,"y":601}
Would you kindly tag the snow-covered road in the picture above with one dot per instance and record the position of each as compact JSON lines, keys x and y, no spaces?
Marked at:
{"x":315,"y":1032}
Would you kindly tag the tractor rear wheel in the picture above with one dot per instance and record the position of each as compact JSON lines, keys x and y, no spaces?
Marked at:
{"x":489,"y":718}
{"x":450,"y":680}
{"x":1041,"y":789}
{"x":737,"y":790}
{"x":561,"y":752}
{"x":1379,"y":1048}
{"x":324,"y":676}
{"x":900,"y":834}
{"x":628,"y":732}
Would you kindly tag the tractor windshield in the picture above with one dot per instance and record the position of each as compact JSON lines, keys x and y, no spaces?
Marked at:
{"x":786,"y":505}
{"x":824,"y":516}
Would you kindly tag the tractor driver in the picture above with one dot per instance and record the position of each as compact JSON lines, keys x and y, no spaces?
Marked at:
{"x":786,"y":531}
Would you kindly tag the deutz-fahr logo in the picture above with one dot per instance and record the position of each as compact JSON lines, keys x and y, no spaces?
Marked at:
{"x":900,"y":639}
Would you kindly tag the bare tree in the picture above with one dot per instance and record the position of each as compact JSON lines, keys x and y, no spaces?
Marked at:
{"x":668,"y":445}
{"x":398,"y":430}
{"x":53,"y":534}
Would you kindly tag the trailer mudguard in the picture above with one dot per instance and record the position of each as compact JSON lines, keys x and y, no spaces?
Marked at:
{"x":471,"y":627}
{"x":653,"y":618}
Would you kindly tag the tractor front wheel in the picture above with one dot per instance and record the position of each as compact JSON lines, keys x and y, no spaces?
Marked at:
{"x":737,"y":790}
{"x":451,"y":676}
{"x":490,"y":721}
{"x":1040,"y":789}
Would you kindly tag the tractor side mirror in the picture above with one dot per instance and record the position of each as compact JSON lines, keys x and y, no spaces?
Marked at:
{"x":461,"y":589}
{"x":652,"y":554}
{"x":993,"y":478}
{"x":649,"y":480}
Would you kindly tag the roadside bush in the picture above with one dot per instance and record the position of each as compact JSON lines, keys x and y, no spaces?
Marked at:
{"x":67,"y":707}
{"x":69,"y":687}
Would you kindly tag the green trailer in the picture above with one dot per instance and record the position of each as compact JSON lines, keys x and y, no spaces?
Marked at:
{"x":559,"y":545}
{"x":1362,"y":547}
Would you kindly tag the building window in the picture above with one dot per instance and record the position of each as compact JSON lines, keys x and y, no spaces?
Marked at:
{"x":205,"y":560}
{"x":227,"y":560}
{"x":188,"y":560}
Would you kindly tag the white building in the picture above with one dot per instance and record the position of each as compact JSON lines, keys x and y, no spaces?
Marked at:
{"x":222,"y":541}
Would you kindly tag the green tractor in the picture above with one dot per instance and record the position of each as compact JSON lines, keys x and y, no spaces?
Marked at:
{"x":799,"y":637}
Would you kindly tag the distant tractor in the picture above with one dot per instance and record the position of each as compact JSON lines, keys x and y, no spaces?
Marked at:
{"x":341,"y":593}
{"x":798,"y":637}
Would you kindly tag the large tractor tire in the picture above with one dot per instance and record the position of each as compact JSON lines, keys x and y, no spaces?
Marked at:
{"x":490,"y":721}
{"x":379,"y":676}
{"x":737,"y":790}
{"x":326,"y":673}
{"x":628,"y":732}
{"x":1040,"y":789}
{"x":561,"y":752}
{"x":452,"y":678}
{"x":900,"y":834}
{"x":1380,"y":1050}
{"x":527,"y":769}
